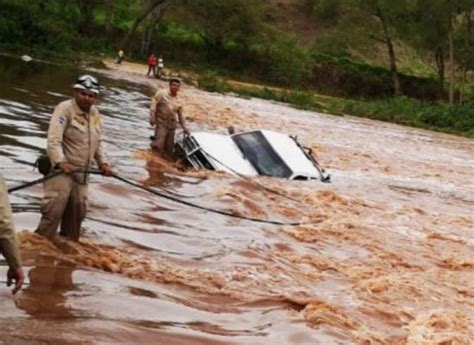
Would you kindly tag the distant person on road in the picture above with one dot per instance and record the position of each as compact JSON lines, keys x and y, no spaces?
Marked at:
{"x":8,"y":241}
{"x":74,"y":142}
{"x":152,"y":61}
{"x":165,"y":111}
{"x":120,"y":56}
{"x":161,"y":67}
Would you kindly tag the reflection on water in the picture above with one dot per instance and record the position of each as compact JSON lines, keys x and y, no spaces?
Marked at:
{"x":45,"y":296}
{"x":389,"y":261}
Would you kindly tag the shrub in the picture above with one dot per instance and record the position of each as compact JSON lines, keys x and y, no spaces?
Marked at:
{"x":210,"y":82}
{"x":348,"y":77}
{"x":290,"y":63}
{"x":302,"y":99}
{"x":404,"y":110}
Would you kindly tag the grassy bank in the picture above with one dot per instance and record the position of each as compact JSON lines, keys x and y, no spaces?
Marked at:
{"x":438,"y":116}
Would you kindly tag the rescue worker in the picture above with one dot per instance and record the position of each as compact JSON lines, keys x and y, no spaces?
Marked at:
{"x":8,"y":242}
{"x":73,"y":143}
{"x":165,"y":111}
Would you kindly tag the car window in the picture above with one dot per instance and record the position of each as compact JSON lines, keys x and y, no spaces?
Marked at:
{"x":261,"y":155}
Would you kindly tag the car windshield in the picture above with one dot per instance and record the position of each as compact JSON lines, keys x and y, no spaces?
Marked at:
{"x":261,"y":155}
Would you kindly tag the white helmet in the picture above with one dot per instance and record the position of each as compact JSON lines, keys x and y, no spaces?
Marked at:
{"x":87,"y":82}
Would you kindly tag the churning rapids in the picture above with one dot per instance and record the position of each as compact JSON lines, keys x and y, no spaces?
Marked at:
{"x":388,"y":260}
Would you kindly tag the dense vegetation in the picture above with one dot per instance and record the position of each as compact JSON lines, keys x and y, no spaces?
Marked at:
{"x":407,"y":61}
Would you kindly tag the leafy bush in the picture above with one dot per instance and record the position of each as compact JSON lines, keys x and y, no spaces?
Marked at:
{"x":23,"y":25}
{"x":348,"y":77}
{"x":403,"y":110}
{"x":290,"y":63}
{"x":326,"y":9}
{"x":210,"y":82}
{"x":302,"y":99}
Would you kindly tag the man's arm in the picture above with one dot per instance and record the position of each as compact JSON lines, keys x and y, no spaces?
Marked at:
{"x":57,"y":126}
{"x":154,"y":103}
{"x":8,"y":241}
{"x":99,"y":154}
{"x":102,"y":161}
{"x":7,"y":231}
{"x":182,"y":121}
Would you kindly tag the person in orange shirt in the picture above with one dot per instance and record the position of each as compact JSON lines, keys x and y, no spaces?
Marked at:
{"x":152,"y":61}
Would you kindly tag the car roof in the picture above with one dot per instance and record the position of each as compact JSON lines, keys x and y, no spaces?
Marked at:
{"x":289,"y":151}
{"x":224,"y":150}
{"x":224,"y":154}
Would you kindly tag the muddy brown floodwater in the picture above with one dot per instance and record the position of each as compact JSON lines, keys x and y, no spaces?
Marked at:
{"x":388,"y":258}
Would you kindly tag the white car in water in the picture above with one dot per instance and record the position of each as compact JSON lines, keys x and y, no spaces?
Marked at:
{"x":260,"y":152}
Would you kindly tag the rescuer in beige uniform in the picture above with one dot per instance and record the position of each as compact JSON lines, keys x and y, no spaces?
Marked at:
{"x":165,"y":111}
{"x":8,"y":243}
{"x":73,"y":144}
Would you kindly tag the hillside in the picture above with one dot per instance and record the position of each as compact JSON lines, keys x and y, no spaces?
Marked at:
{"x":296,"y":16}
{"x":361,"y":51}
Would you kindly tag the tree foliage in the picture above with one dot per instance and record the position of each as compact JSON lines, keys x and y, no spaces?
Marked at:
{"x":290,"y":63}
{"x":218,"y":22}
{"x":364,"y":25}
{"x":239,"y":36}
{"x":436,"y":26}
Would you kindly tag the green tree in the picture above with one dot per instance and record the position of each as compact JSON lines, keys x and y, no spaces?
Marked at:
{"x":153,"y":19}
{"x":464,"y":44}
{"x":428,"y":28}
{"x":148,"y":7}
{"x":364,"y":24}
{"x":386,"y":15}
{"x":218,"y":21}
{"x":290,"y":63}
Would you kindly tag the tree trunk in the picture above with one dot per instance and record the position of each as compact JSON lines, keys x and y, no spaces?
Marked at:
{"x":109,"y":12}
{"x":213,"y":49}
{"x":86,"y":8}
{"x":451,"y":65}
{"x":153,"y":20}
{"x":391,"y":53}
{"x":461,"y":87}
{"x":439,"y":56}
{"x":148,"y":9}
{"x":43,"y":4}
{"x":393,"y":67}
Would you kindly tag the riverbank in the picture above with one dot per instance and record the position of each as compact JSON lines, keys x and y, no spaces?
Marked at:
{"x":437,"y":116}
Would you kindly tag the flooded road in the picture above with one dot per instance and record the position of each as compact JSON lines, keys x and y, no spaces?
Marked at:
{"x":388,"y":258}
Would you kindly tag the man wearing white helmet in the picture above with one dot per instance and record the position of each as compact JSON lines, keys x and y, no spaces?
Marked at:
{"x":73,"y":144}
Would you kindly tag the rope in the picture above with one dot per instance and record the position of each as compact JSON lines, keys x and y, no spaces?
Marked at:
{"x":5,"y":282}
{"x":187,"y":203}
{"x":47,"y":177}
{"x":265,"y":188}
{"x":32,"y":183}
{"x":169,"y":197}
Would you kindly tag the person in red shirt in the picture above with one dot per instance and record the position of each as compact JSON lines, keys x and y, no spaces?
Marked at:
{"x":152,"y":61}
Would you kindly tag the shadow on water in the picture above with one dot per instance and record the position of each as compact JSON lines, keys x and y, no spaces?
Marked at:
{"x":46,"y":294}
